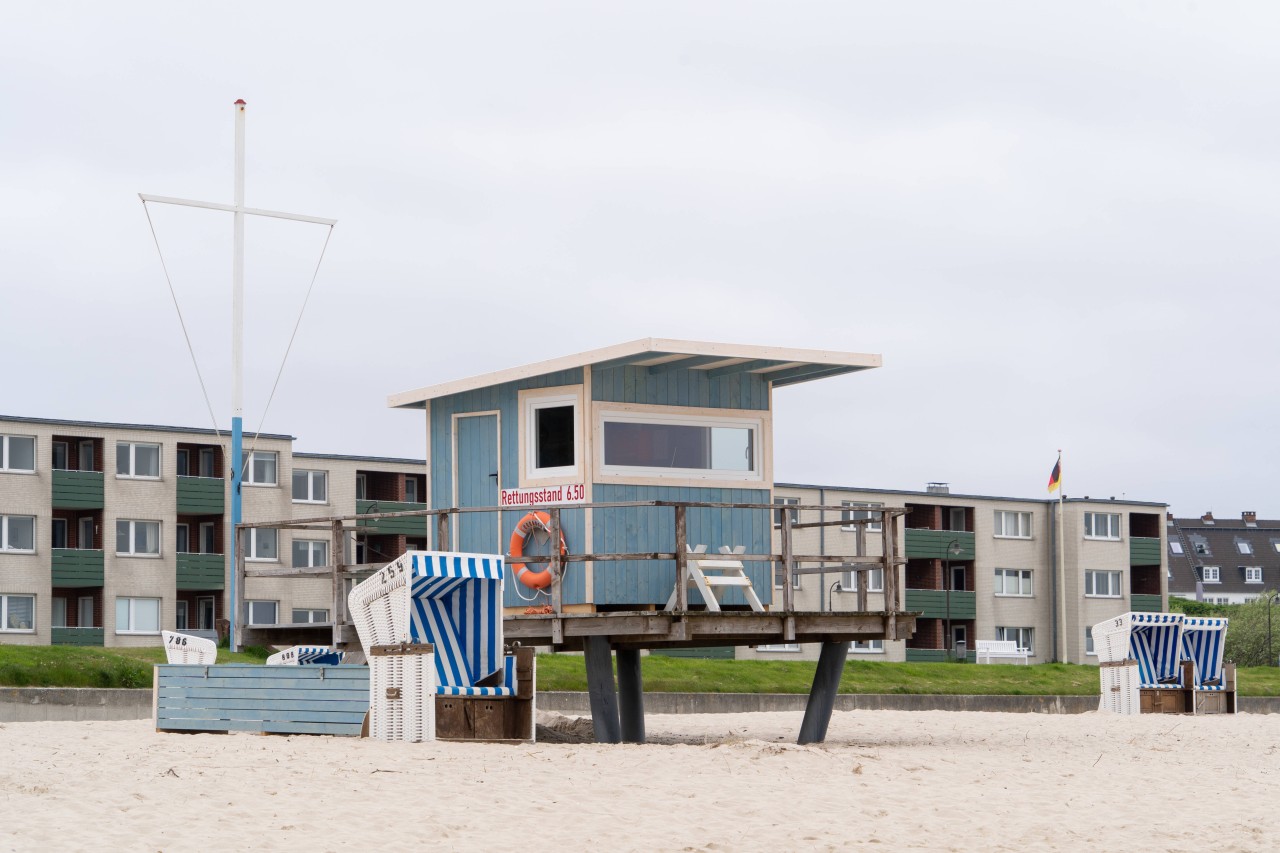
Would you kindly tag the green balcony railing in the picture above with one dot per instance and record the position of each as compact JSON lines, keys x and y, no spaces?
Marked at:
{"x":201,"y":495}
{"x":77,"y":489}
{"x":932,"y":603}
{"x":201,"y":571}
{"x":408,"y":526}
{"x":935,"y":656}
{"x":1145,"y":603}
{"x":76,"y":567}
{"x":1144,"y":551}
{"x":932,"y":544}
{"x":76,"y":637}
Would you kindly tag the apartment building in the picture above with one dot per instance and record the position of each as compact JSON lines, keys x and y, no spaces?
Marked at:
{"x":1223,"y":560}
{"x":982,"y":567}
{"x":111,"y":532}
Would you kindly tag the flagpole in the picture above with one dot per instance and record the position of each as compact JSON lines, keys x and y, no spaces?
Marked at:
{"x":1062,"y":564}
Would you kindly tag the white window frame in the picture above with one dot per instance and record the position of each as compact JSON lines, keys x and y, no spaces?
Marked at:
{"x":1211,"y":574}
{"x":1003,"y":577}
{"x":1091,"y":526}
{"x":249,"y":472}
{"x":311,"y":485}
{"x":550,"y":398}
{"x":251,"y":606}
{"x":776,"y":569}
{"x":1089,"y":648}
{"x":132,"y":600}
{"x":1253,"y":574}
{"x":1000,"y":524}
{"x":181,"y":616}
{"x":1003,"y":633}
{"x":132,"y":538}
{"x":1244,"y":547}
{"x":56,"y":620}
{"x":251,"y":547}
{"x":849,"y":579}
{"x":1175,"y":548}
{"x":311,"y":612}
{"x":4,"y":614}
{"x":66,"y":455}
{"x":311,"y":553}
{"x":756,"y":421}
{"x":779,"y":647}
{"x":411,"y":480}
{"x":4,"y":535}
{"x":129,"y":448}
{"x":861,"y":509}
{"x":1091,"y":583}
{"x":779,"y":503}
{"x":6,"y":455}
{"x":870,"y":647}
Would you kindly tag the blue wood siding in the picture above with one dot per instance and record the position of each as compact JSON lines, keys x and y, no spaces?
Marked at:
{"x":679,"y":388}
{"x":640,"y":529}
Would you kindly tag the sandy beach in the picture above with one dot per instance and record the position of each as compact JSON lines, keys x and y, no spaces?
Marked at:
{"x":885,"y":779}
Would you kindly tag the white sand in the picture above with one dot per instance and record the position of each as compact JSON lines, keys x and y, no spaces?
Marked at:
{"x":884,"y":779}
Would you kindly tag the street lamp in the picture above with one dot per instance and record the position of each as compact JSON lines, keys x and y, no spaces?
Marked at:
{"x":1271,"y":600}
{"x":953,"y":548}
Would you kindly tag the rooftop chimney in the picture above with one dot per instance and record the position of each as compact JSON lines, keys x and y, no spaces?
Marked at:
{"x":1207,"y":518}
{"x":938,"y":488}
{"x":1250,"y":518}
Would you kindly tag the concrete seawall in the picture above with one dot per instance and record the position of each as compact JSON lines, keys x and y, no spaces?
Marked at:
{"x":34,"y":704}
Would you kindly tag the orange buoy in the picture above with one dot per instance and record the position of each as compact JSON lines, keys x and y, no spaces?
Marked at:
{"x":527,"y":525}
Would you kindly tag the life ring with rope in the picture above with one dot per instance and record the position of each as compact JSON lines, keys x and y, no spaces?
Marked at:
{"x":532,"y":522}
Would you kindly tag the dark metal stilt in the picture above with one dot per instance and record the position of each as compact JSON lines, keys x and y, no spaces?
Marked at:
{"x":601,"y":690}
{"x":822,"y":696}
{"x":630,"y":695}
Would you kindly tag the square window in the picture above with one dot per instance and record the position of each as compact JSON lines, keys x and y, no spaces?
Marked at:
{"x":310,"y":486}
{"x":1211,"y":574}
{"x":1012,"y":525}
{"x":1102,"y":525}
{"x":262,"y":612}
{"x":1102,"y":584}
{"x":777,"y":577}
{"x":1013,"y":582}
{"x":1175,"y":547}
{"x":1253,"y":574}
{"x":262,"y":544}
{"x":1243,"y":547}
{"x":18,"y":613}
{"x":261,"y":470}
{"x":18,"y":533}
{"x":137,"y":538}
{"x":18,"y":453}
{"x":137,"y":460}
{"x":794,"y":513}
{"x":137,"y":615}
{"x":308,"y":553}
{"x":874,"y":523}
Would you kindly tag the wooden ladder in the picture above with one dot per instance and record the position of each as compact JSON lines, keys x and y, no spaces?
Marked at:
{"x":718,"y":573}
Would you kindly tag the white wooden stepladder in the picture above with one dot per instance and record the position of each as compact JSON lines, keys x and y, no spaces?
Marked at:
{"x":716,"y":572}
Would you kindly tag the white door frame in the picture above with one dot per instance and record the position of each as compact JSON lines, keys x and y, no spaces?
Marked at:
{"x":453,"y":533}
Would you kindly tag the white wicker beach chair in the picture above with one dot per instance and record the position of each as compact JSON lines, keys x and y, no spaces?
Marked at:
{"x":185,"y":648}
{"x":306,"y":656}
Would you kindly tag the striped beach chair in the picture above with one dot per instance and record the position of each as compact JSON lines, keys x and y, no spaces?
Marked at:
{"x":185,"y":648}
{"x":306,"y":656}
{"x":1203,"y":643}
{"x":1155,"y":642}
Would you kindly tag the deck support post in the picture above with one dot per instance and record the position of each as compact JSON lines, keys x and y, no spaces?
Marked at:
{"x":630,"y":695}
{"x":601,"y":690}
{"x":822,"y":696}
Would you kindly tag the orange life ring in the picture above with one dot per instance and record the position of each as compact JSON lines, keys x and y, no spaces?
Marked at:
{"x":531,"y":522}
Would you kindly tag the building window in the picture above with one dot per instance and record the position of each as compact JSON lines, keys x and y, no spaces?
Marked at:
{"x":1210,"y":574}
{"x":18,"y":613}
{"x":182,"y":539}
{"x":870,"y":647}
{"x":850,"y":515}
{"x":777,"y":513}
{"x":875,"y":580}
{"x":1253,"y":574}
{"x":1013,"y":582}
{"x":1102,"y":584}
{"x":138,"y":461}
{"x":1012,"y":525}
{"x":61,"y":456}
{"x":262,"y":544}
{"x":262,"y":612}
{"x":553,"y":435}
{"x":780,"y":647}
{"x":675,"y":446}
{"x":411,"y":490}
{"x":307,"y":553}
{"x":1175,"y":547}
{"x":137,"y":615}
{"x":310,"y":487}
{"x":180,"y":616}
{"x":777,"y":576}
{"x":1022,"y":636}
{"x":261,"y":470}
{"x":137,"y":538}
{"x":1243,"y":547}
{"x":303,"y":616}
{"x":57,"y":613}
{"x":18,"y":533}
{"x":1102,"y":525}
{"x":18,"y":453}
{"x":1088,"y":641}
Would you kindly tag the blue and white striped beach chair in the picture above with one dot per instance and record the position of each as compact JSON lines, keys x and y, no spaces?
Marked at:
{"x":306,"y":656}
{"x":1155,"y":642}
{"x":1203,"y":639}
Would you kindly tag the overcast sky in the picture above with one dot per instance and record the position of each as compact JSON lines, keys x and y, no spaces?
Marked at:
{"x":1057,"y":224}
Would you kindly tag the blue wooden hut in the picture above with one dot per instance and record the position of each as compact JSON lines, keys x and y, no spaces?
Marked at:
{"x":652,"y":419}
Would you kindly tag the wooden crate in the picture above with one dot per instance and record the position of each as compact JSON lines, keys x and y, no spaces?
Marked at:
{"x":491,"y":718}
{"x":1165,"y":700}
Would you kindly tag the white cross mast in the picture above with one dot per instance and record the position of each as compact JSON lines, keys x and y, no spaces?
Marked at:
{"x":238,"y":211}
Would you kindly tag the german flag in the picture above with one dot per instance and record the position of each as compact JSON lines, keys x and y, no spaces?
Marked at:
{"x":1055,"y":478}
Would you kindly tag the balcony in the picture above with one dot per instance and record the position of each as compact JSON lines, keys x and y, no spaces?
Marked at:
{"x":201,"y":571}
{"x":932,"y":603}
{"x":410,"y":526}
{"x":76,"y":637}
{"x":77,"y":489}
{"x":1144,"y":551}
{"x":77,"y":567}
{"x":201,"y":496}
{"x":932,"y":544}
{"x":935,"y":656}
{"x":1145,"y":603}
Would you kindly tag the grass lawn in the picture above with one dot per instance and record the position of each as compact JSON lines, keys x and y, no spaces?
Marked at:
{"x":78,"y":666}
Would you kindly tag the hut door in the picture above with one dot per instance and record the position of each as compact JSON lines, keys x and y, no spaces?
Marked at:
{"x":475,"y":483}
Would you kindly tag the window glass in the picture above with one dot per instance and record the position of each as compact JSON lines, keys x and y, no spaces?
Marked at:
{"x":60,"y":456}
{"x":17,"y":612}
{"x":1175,"y":547}
{"x":310,"y":486}
{"x":308,"y":553}
{"x":794,"y":513}
{"x":17,"y":453}
{"x":137,"y":537}
{"x":1013,"y":524}
{"x":645,"y":444}
{"x":554,"y":430}
{"x":262,"y":468}
{"x":411,"y":489}
{"x":850,"y":515}
{"x":1102,"y":525}
{"x":137,"y":615}
{"x":262,"y":544}
{"x":262,"y":612}
{"x":17,"y":533}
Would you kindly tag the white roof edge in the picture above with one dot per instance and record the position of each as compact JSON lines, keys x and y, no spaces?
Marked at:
{"x":415,"y":398}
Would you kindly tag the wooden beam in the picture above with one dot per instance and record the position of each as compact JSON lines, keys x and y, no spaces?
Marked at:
{"x":806,"y":373}
{"x":683,"y":363}
{"x":741,"y":367}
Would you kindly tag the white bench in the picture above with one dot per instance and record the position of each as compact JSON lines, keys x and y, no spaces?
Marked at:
{"x":1000,"y":649}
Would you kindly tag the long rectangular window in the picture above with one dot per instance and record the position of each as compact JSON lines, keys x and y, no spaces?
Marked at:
{"x":675,"y":446}
{"x":850,"y":515}
{"x":18,"y":533}
{"x":18,"y":613}
{"x":1012,"y":525}
{"x":1102,"y":525}
{"x":134,"y":459}
{"x":137,"y":538}
{"x":1022,"y":636}
{"x":875,"y":580}
{"x":137,"y":615}
{"x":18,"y":453}
{"x":1102,"y":584}
{"x":1013,"y":582}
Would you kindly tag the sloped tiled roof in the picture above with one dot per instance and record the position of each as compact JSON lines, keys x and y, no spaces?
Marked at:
{"x":1217,"y":543}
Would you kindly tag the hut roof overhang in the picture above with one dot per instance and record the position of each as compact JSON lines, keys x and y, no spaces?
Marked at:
{"x":777,"y":365}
